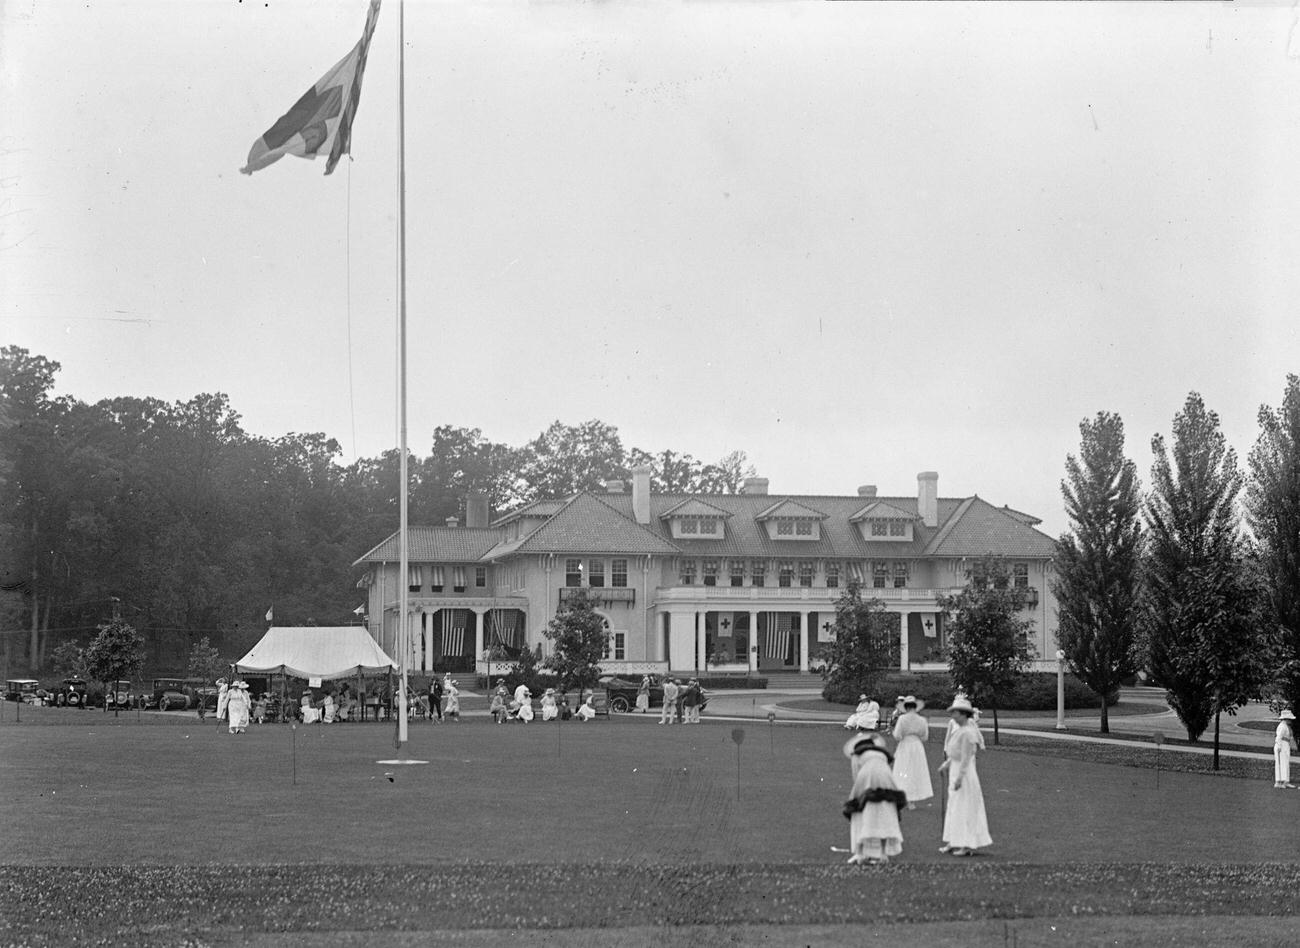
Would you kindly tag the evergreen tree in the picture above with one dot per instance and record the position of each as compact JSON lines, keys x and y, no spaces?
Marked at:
{"x":1273,"y":506}
{"x":1204,"y":640}
{"x":988,"y":641}
{"x":1098,"y":563}
{"x":864,"y":645}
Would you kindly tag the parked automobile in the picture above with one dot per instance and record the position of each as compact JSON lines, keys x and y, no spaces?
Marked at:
{"x":71,"y":692}
{"x":169,"y":694}
{"x":23,"y":689}
{"x":119,"y":695}
{"x":621,"y":693}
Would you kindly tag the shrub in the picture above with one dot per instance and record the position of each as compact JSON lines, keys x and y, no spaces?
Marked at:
{"x":1033,"y":691}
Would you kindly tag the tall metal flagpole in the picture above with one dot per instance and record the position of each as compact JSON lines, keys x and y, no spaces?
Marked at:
{"x":403,"y":577}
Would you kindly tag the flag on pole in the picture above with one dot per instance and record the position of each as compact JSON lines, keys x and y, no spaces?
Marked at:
{"x":321,"y":121}
{"x":270,"y":614}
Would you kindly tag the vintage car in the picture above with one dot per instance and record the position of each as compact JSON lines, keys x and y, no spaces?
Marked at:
{"x":621,"y":693}
{"x":119,"y":695}
{"x":169,"y":694}
{"x":72,"y":692}
{"x":24,"y":690}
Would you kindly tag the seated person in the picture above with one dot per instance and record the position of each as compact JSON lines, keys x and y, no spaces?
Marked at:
{"x":497,"y":708}
{"x":585,"y":710}
{"x":328,"y":709}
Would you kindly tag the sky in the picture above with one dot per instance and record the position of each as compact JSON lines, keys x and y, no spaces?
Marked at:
{"x":855,"y":241}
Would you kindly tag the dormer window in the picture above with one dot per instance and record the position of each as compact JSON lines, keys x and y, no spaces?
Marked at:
{"x":787,"y":528}
{"x":708,"y":528}
{"x":881,"y":529}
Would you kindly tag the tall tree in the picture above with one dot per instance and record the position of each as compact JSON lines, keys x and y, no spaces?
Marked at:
{"x":1273,"y":507}
{"x":565,"y":459}
{"x":1200,"y":615}
{"x":1098,"y":563}
{"x":864,"y":645}
{"x":988,"y":640}
{"x":580,"y":639}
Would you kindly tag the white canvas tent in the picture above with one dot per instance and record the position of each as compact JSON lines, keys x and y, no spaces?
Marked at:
{"x":316,"y":652}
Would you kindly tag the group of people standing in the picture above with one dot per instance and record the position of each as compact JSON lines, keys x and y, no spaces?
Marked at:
{"x":682,"y":703}
{"x":885,"y":783}
{"x":234,"y":704}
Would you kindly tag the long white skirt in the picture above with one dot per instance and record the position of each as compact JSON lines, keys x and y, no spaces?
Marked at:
{"x":526,"y":711}
{"x":876,"y":821}
{"x":965,"y":823}
{"x":912,"y":770}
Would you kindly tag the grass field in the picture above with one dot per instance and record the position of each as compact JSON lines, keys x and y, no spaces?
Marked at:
{"x":162,"y":830}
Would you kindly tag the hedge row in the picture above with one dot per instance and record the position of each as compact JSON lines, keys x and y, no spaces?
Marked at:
{"x":1035,"y":691}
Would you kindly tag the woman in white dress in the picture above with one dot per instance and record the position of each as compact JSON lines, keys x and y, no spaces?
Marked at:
{"x":1283,"y":744}
{"x":524,"y":697}
{"x":865,"y":717}
{"x":911,"y":769}
{"x":872,"y":808}
{"x":452,"y":710}
{"x":550,"y":710}
{"x":643,"y":695}
{"x":238,"y":706}
{"x":965,"y":823}
{"x":223,"y":698}
{"x":586,"y":711}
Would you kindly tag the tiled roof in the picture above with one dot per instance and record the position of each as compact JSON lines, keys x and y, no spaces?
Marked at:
{"x":788,"y":508}
{"x":587,"y":524}
{"x":744,"y":535}
{"x":435,"y":545}
{"x":879,"y":510}
{"x":693,"y":507}
{"x":978,"y":527}
{"x":1023,"y":517}
{"x":538,"y":508}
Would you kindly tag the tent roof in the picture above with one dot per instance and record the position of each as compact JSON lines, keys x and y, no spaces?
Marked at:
{"x":316,"y":652}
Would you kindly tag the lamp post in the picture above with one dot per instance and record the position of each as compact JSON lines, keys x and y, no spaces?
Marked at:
{"x":1060,"y":690}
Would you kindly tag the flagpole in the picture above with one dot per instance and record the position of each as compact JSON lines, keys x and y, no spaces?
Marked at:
{"x":403,"y":635}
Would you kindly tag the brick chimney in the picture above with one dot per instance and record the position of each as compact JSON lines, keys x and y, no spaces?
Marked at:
{"x":927,"y":497}
{"x":755,"y":485}
{"x":476,"y":510}
{"x":613,"y":487}
{"x":453,"y":522}
{"x":641,"y":494}
{"x":867,"y":490}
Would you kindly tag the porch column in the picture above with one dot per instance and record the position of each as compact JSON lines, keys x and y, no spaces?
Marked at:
{"x":904,"y":660}
{"x":803,"y":640}
{"x":478,"y":635}
{"x":681,"y":640}
{"x":701,"y":642}
{"x":753,"y":642}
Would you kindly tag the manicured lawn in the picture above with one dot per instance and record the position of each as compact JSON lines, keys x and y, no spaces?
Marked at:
{"x":181,"y":829}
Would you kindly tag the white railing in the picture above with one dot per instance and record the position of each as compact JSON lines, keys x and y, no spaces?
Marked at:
{"x":819,"y":594}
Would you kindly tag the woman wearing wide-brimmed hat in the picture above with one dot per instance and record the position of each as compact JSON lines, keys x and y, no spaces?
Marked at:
{"x":872,"y":808}
{"x":1283,"y":743}
{"x":865,"y":717}
{"x":965,"y":824}
{"x":911,"y":769}
{"x":550,"y":709}
{"x":238,"y":706}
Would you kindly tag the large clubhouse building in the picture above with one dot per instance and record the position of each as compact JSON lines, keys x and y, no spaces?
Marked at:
{"x":699,"y":583}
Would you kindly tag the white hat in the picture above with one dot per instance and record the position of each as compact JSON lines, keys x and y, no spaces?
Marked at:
{"x":912,"y":699}
{"x":962,"y":703}
{"x":1287,"y":715}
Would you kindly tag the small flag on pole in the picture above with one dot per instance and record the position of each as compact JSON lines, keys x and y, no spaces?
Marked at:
{"x":270,"y":614}
{"x":321,"y":121}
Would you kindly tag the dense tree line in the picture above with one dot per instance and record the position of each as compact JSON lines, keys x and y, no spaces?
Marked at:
{"x":1174,"y":583}
{"x":193,"y":527}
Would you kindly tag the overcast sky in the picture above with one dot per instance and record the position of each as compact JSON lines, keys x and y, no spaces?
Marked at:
{"x":856,"y":241}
